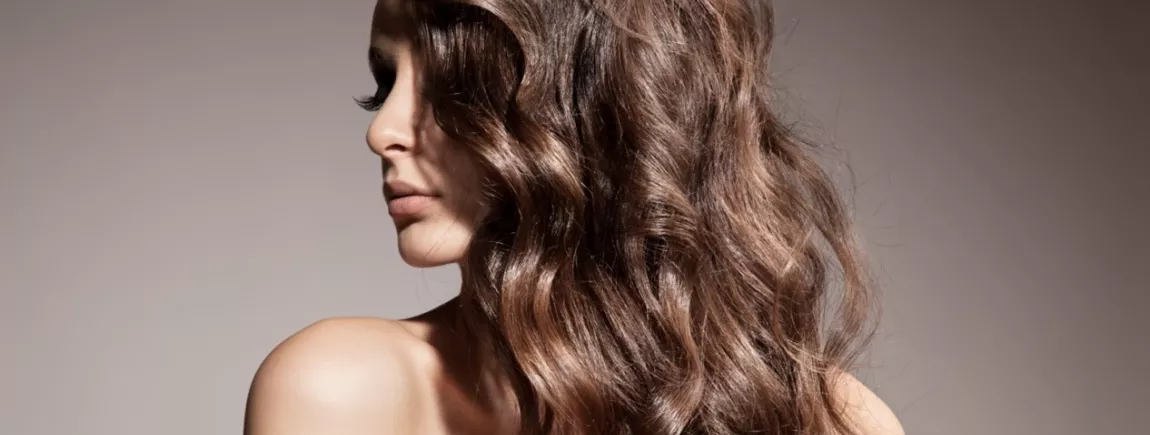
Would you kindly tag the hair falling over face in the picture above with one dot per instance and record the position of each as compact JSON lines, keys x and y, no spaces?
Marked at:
{"x":660,"y":250}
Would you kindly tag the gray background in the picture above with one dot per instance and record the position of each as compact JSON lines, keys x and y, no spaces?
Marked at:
{"x":185,"y":183}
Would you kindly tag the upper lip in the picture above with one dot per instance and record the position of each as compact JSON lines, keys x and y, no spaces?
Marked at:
{"x":399,"y":189}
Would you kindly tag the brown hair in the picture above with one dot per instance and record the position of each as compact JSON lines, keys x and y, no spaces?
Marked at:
{"x":660,"y":247}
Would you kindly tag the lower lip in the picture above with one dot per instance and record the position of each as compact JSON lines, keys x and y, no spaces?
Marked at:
{"x":409,"y":205}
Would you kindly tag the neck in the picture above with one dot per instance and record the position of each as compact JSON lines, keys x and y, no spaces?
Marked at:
{"x":465,"y":364}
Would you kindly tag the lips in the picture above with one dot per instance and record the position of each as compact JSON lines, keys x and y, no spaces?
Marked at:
{"x":409,"y":205}
{"x":405,"y":199}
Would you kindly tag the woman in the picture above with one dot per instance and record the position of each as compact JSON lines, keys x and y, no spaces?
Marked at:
{"x":645,"y":249}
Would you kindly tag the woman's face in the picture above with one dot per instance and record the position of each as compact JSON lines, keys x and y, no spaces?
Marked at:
{"x":431,"y":186}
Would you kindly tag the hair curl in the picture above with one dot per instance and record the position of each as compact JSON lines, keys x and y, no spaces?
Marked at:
{"x":660,"y":247}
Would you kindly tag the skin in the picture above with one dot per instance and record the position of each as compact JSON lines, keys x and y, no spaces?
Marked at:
{"x":353,"y":376}
{"x":415,"y":151}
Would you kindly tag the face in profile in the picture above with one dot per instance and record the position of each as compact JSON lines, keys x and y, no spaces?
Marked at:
{"x":431,"y":186}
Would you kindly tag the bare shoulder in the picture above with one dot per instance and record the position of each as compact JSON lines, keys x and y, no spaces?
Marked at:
{"x":344,"y":376}
{"x":863,"y":407}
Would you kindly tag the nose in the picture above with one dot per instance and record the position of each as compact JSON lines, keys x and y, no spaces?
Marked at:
{"x":392,"y":133}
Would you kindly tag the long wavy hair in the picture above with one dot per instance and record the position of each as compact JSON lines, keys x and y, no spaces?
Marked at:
{"x":663,"y":255}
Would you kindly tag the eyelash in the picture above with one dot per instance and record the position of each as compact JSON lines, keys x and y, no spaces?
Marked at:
{"x":370,"y":103}
{"x":384,"y":79}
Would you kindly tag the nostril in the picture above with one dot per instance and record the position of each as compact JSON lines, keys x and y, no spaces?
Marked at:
{"x":396,"y":148}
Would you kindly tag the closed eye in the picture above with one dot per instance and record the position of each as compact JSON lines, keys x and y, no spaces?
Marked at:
{"x":370,"y":103}
{"x":383,"y":70}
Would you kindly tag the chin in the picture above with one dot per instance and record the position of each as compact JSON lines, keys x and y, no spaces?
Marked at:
{"x":423,"y":259}
{"x":431,"y":244}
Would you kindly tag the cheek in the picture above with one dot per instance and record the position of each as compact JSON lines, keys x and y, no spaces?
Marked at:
{"x":470,"y":180}
{"x":462,"y":183}
{"x":457,"y":174}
